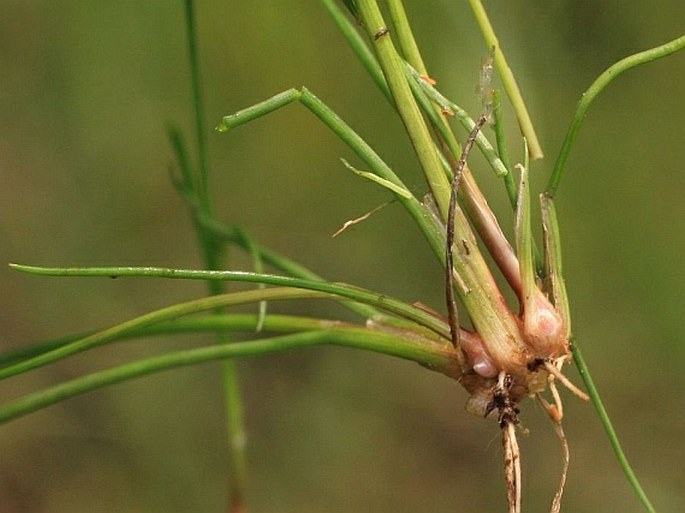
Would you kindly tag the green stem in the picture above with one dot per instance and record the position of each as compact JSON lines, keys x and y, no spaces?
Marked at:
{"x":464,"y":119}
{"x":589,"y":96}
{"x":433,"y":235}
{"x":405,"y":35}
{"x":152,"y":318}
{"x":212,"y":253}
{"x":198,"y":104}
{"x":609,"y":428}
{"x":434,"y":356}
{"x":393,"y":69}
{"x":232,"y":322}
{"x":237,"y":436}
{"x":508,"y":80}
{"x":341,"y":290}
{"x":477,"y":288}
{"x":358,"y":45}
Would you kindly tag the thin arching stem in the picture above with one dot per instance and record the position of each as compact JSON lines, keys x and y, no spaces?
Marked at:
{"x":593,"y":91}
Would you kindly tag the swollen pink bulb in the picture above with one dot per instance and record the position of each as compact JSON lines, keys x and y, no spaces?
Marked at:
{"x":484,"y":367}
{"x":472,"y":345}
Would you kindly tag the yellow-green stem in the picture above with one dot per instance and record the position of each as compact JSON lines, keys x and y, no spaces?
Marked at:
{"x":508,"y":81}
{"x":393,"y":69}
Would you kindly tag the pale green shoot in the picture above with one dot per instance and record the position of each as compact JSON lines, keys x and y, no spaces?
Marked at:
{"x":400,"y":191}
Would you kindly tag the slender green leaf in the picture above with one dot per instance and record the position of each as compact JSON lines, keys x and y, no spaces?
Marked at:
{"x":593,"y":91}
{"x":440,"y":358}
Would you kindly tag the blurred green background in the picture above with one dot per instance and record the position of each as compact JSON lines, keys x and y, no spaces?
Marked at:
{"x":86,"y":89}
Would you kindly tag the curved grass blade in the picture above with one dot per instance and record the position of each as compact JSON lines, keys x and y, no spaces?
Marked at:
{"x":441,"y":358}
{"x":151,"y":318}
{"x":597,"y":87}
{"x":288,"y":288}
{"x":340,"y":290}
{"x":232,"y":322}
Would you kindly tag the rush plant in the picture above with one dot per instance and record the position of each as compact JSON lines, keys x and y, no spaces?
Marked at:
{"x":500,"y":351}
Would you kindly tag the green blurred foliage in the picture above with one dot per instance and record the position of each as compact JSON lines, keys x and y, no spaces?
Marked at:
{"x":85,"y":93}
